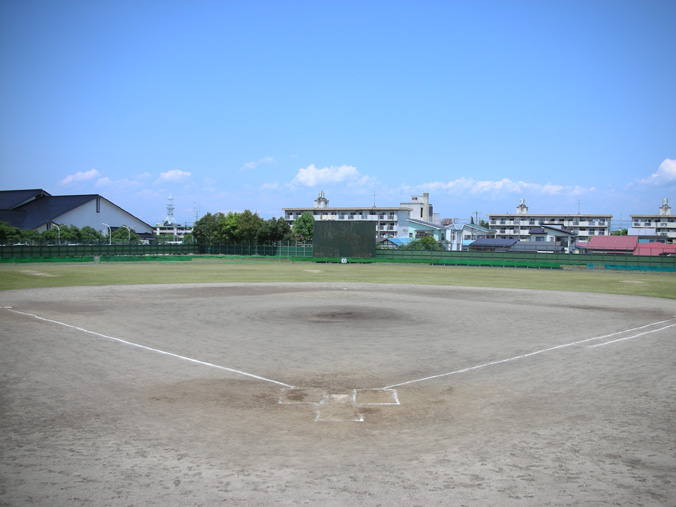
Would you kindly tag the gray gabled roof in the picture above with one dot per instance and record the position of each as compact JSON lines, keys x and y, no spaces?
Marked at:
{"x":30,"y":209}
{"x":11,"y":199}
{"x":493,"y":243}
{"x":536,"y":246}
{"x":543,"y":229}
{"x":49,"y":208}
{"x":427,"y":224}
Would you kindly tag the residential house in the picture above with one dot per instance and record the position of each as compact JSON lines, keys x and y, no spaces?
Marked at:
{"x":460,"y":236}
{"x":492,"y":245}
{"x":610,"y":245}
{"x":418,"y":229}
{"x":543,"y":236}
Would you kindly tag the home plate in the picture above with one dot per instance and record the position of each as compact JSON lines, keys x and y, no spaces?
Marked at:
{"x":338,"y":408}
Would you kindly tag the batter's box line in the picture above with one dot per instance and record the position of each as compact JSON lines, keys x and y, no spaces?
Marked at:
{"x":316,"y":396}
{"x":331,"y":407}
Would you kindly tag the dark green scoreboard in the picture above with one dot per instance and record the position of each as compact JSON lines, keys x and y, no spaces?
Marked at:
{"x":344,"y":238}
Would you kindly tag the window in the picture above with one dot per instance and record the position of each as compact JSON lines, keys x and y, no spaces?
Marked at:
{"x":98,"y":205}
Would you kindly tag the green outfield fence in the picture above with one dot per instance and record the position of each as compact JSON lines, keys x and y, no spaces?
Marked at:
{"x":81,"y":253}
{"x":531,"y":260}
{"x":135,"y":253}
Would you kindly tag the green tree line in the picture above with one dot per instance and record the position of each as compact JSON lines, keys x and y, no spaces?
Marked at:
{"x":249,"y":228}
{"x":68,"y":234}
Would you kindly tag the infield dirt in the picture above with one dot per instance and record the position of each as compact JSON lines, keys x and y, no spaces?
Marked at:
{"x":335,"y":394}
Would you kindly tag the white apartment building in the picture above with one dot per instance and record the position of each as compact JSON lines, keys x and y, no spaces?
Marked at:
{"x":516,"y":225}
{"x":421,"y":209}
{"x":391,"y":222}
{"x":169,"y":229}
{"x":663,"y":224}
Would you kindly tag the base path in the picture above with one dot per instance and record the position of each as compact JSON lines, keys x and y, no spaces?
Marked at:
{"x":335,"y":394}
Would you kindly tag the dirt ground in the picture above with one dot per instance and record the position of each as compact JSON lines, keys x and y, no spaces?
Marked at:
{"x":335,"y":394}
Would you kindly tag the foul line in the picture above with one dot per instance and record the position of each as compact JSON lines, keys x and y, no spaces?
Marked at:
{"x":631,"y":337}
{"x":492,"y":363}
{"x":204,"y":363}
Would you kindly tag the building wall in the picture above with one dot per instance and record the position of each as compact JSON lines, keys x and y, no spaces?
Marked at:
{"x":107,"y":212}
{"x":175,"y":231}
{"x":657,"y":225}
{"x":516,"y":226}
{"x":390,"y":222}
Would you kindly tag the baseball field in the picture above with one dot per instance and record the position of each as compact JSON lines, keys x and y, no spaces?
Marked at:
{"x":262,"y":383}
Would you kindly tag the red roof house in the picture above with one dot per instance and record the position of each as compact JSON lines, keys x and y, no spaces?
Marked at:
{"x":612,"y":244}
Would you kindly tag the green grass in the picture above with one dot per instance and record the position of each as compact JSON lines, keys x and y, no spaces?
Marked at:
{"x":26,"y":276}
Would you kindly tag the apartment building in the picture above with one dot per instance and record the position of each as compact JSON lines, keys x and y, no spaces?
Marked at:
{"x":517,"y":225}
{"x":663,"y":224}
{"x":170,"y":229}
{"x":391,"y":222}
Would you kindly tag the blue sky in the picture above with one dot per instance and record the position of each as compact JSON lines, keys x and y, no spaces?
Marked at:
{"x":233,"y":105}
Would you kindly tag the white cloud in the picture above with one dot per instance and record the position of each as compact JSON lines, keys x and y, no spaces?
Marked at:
{"x":503,"y":186}
{"x":175,"y":175}
{"x":311,"y":176}
{"x":117,"y":184}
{"x":80,"y":176}
{"x":255,"y":163}
{"x":269,"y":186}
{"x":666,"y":173}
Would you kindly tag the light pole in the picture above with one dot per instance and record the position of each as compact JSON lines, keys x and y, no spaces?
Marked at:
{"x":128,"y":233}
{"x":58,"y":234}
{"x":110,"y":234}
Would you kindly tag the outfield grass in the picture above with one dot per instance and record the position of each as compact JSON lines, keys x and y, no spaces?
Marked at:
{"x":23,"y":276}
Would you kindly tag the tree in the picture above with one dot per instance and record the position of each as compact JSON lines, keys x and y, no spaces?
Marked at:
{"x":89,"y":235}
{"x":303,"y":227}
{"x":484,"y":224}
{"x":424,"y":243}
{"x":50,"y":236}
{"x":274,"y":230}
{"x":204,"y":230}
{"x":124,"y":236}
{"x":248,"y":225}
{"x":9,"y":235}
{"x":70,"y":234}
{"x":621,"y":232}
{"x":31,"y":237}
{"x":226,"y":228}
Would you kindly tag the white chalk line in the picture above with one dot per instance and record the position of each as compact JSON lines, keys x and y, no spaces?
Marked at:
{"x":515,"y":358}
{"x":631,"y":337}
{"x":159,"y":351}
